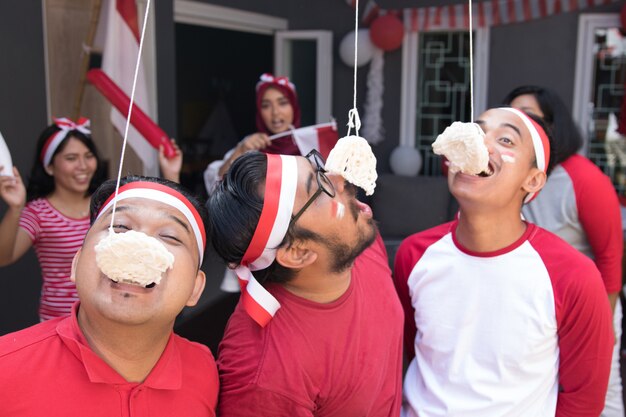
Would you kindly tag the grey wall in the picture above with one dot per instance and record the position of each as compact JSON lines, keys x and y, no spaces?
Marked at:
{"x":541,"y":52}
{"x":22,"y":117}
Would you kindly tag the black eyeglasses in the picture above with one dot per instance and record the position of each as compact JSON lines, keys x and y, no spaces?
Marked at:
{"x":323,"y":183}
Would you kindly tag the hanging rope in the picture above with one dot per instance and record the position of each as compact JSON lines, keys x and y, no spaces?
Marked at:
{"x":130,"y":111}
{"x":471,"y":59}
{"x":354,"y":121}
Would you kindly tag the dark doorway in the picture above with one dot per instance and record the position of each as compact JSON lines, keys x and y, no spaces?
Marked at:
{"x":216,"y":74}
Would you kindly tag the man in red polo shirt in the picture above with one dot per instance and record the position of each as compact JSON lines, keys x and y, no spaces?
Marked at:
{"x":116,"y":354}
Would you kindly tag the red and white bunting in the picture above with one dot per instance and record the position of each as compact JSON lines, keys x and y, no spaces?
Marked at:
{"x":485,"y":13}
{"x":370,"y":12}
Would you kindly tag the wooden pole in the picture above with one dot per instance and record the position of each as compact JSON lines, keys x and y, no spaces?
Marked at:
{"x":84,"y":65}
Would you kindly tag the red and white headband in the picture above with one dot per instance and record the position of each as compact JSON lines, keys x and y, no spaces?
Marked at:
{"x":541,"y":143}
{"x":268,"y":78}
{"x":166,"y":195}
{"x":66,"y":125}
{"x":281,"y":183}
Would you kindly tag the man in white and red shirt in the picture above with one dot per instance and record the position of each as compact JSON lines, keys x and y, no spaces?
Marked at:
{"x":502,"y":317}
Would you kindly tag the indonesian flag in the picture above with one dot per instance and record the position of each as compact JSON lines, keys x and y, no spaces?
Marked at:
{"x":322,"y":137}
{"x":121,"y":48}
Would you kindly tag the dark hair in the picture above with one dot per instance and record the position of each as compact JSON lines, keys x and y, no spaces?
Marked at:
{"x":235,"y":208}
{"x":40,"y":184}
{"x":567,"y":139}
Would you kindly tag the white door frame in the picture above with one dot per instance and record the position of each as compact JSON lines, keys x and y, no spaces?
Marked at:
{"x":587,"y":25}
{"x":209,"y":15}
{"x":324,"y":70}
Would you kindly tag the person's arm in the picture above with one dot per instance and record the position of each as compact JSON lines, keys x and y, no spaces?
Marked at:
{"x":585,"y":333}
{"x":252,"y":400}
{"x":216,"y":169}
{"x":403,"y":266}
{"x":600,"y":217}
{"x":251,"y":142}
{"x":14,"y":241}
{"x":170,"y":167}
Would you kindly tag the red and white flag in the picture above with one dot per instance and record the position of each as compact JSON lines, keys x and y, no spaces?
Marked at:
{"x":121,"y":48}
{"x":322,"y":137}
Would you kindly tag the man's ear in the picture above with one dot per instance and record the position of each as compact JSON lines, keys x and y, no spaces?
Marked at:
{"x":74,"y":262}
{"x":297,"y":256}
{"x":535,"y":181}
{"x":198,"y":287}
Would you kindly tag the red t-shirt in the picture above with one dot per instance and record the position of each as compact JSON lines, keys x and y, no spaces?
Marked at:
{"x":343,"y":358}
{"x":50,"y":370}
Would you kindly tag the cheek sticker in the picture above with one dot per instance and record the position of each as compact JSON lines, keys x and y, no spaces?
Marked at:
{"x":337,"y":209}
{"x":508,"y":157}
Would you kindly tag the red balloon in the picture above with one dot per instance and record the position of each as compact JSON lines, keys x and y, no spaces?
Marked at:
{"x":387,"y":32}
{"x":144,"y":125}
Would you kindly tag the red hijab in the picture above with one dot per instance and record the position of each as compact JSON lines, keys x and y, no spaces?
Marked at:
{"x":286,"y":144}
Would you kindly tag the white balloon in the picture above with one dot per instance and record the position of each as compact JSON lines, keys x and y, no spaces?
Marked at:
{"x":5,"y":158}
{"x":365,"y":48}
{"x":405,"y":160}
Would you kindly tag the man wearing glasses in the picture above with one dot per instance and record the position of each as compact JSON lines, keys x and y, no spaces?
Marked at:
{"x":318,"y":329}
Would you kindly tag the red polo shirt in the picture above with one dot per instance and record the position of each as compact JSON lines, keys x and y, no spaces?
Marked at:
{"x":50,"y":370}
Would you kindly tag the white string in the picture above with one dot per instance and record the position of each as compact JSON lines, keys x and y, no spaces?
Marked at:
{"x":471,"y":59}
{"x":130,"y":110}
{"x":354,"y":121}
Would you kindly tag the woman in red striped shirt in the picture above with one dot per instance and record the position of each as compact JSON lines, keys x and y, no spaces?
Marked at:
{"x":51,"y":215}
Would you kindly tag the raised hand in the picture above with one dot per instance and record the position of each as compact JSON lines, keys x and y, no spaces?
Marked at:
{"x":12,"y":189}
{"x":170,"y":168}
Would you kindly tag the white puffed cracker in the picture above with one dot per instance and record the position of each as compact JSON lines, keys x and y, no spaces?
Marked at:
{"x":463,"y":144}
{"x":353,"y":159}
{"x":133,"y":258}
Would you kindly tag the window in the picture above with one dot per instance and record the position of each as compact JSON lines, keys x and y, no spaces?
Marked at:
{"x":436,"y":87}
{"x":598,"y":93}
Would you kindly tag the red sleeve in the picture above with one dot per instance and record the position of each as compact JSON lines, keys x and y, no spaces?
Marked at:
{"x":252,"y":400}
{"x":29,"y":222}
{"x":404,"y":263}
{"x":599,"y":213}
{"x":407,"y":256}
{"x":585,"y":330}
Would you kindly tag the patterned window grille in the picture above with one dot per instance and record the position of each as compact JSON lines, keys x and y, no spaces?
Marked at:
{"x":608,"y":91}
{"x":443,"y":90}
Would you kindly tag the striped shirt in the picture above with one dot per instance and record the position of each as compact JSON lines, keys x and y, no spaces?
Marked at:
{"x":56,"y":239}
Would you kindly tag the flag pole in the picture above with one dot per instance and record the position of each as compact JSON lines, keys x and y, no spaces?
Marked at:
{"x":84,"y":65}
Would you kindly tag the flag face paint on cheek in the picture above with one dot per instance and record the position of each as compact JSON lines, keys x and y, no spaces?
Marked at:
{"x":337,"y":209}
{"x":508,"y":157}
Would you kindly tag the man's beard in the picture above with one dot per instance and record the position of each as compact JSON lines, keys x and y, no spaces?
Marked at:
{"x":344,"y":255}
